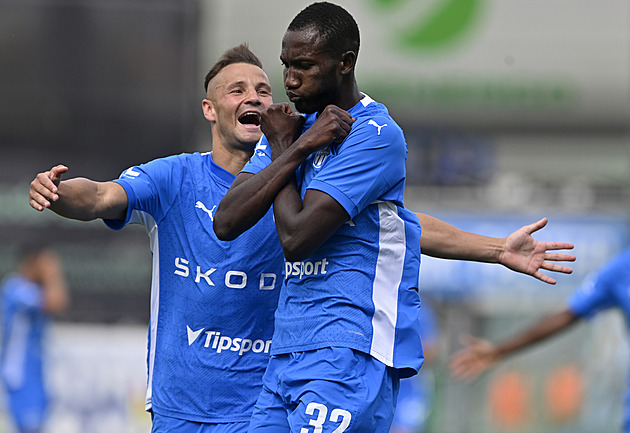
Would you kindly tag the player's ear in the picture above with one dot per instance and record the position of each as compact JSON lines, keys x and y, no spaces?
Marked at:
{"x":347,"y":63}
{"x":208,"y":110}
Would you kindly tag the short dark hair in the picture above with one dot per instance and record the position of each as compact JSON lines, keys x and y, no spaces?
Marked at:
{"x":238,"y":54}
{"x":332,"y":22}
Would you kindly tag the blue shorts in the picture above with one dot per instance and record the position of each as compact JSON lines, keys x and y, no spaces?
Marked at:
{"x":28,"y":406}
{"x":326,"y":390}
{"x":167,"y":424}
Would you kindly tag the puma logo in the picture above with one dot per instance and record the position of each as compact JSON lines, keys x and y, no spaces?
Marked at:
{"x":200,"y":205}
{"x":379,"y":127}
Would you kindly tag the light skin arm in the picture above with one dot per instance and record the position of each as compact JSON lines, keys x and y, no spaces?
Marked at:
{"x":479,"y":355}
{"x":519,"y":251}
{"x":79,"y":198}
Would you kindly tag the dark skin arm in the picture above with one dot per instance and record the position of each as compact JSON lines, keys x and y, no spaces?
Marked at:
{"x":251,"y":196}
{"x":479,"y":355}
{"x":305,"y":225}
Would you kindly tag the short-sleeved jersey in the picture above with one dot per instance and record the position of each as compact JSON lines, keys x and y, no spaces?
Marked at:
{"x":607,"y":288}
{"x":359,"y":289}
{"x":212,"y":302}
{"x":24,"y":326}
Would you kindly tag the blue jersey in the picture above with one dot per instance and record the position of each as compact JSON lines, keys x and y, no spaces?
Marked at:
{"x":608,"y":288}
{"x":24,"y":326}
{"x":359,"y":289}
{"x":212,"y":302}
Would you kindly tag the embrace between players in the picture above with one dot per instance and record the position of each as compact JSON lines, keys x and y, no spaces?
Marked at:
{"x":323,"y":185}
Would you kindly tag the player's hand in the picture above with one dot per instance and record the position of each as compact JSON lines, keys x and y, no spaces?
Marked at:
{"x":44,"y":188}
{"x":476,"y":357}
{"x":525,"y":254}
{"x":281,"y":126}
{"x":332,"y":126}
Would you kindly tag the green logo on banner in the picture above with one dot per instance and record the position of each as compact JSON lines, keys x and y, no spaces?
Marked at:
{"x":444,"y":23}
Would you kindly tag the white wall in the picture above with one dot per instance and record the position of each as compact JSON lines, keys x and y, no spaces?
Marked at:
{"x":97,"y":379}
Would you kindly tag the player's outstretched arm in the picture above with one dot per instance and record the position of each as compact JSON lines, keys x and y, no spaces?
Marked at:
{"x":524,"y":254}
{"x":479,"y":355}
{"x":475,"y":358}
{"x":519,"y":252}
{"x":78,"y":198}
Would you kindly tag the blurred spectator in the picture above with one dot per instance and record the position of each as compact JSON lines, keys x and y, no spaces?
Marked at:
{"x":30,"y":296}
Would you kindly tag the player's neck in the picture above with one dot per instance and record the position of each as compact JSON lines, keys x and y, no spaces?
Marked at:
{"x":232,"y":160}
{"x":349,"y":96}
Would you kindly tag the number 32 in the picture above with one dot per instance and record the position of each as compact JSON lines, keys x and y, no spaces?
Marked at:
{"x":322,"y":412}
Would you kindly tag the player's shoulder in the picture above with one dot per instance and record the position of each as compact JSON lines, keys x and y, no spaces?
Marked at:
{"x":17,"y":287}
{"x":181,"y":158}
{"x":9,"y":284}
{"x":379,"y":129}
{"x":373,"y":118}
{"x":170,"y":162}
{"x":184,"y":158}
{"x":614,"y":276}
{"x":618,"y":268}
{"x":377,"y":125}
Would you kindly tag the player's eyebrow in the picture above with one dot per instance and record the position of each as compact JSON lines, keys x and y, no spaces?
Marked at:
{"x":241,"y":83}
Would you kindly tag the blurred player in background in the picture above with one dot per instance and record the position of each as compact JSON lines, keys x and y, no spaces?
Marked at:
{"x":212,"y":302}
{"x":607,"y":288}
{"x":30,"y":297}
{"x":415,"y":398}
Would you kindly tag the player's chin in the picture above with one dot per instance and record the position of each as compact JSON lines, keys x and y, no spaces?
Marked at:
{"x":250,"y":136}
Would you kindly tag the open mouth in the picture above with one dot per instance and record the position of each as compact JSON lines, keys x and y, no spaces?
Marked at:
{"x":250,"y":118}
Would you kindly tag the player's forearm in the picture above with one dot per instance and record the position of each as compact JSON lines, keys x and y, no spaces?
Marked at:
{"x":76,"y":199}
{"x":251,"y":196}
{"x":293,"y":232}
{"x":544,"y":329}
{"x":306,"y":224}
{"x":445,"y":241}
{"x":287,"y":204}
{"x":84,"y":199}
